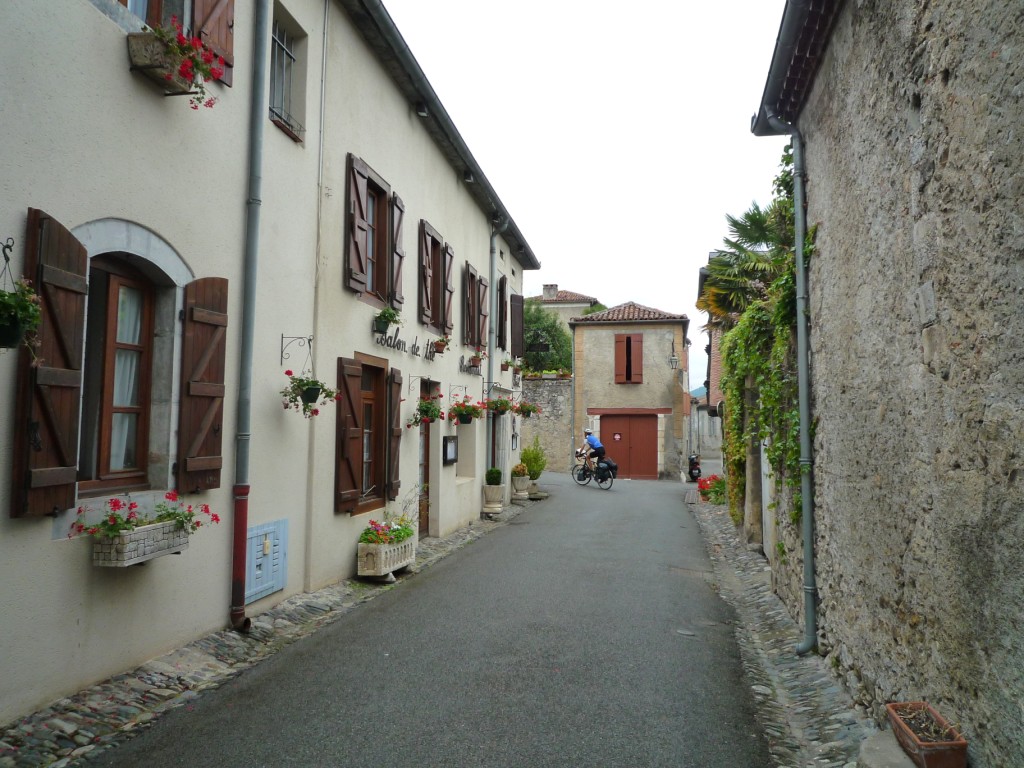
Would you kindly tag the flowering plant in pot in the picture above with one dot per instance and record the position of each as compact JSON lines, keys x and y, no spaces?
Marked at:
{"x":123,"y":515}
{"x":385,"y":319}
{"x":526,"y":409}
{"x":122,"y":537}
{"x":306,"y":393}
{"x":20,"y":313}
{"x":428,"y":409}
{"x":478,"y":356}
{"x":465,"y":410}
{"x":441,"y":344}
{"x":498,"y":405}
{"x":192,"y":62}
{"x":387,"y":532}
{"x":712,"y":488}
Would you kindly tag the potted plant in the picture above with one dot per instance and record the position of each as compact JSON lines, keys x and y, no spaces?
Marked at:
{"x":926,"y":736}
{"x":465,"y":410}
{"x":713,"y":489}
{"x":516,"y":367}
{"x":494,"y":491}
{"x":478,"y":356}
{"x":520,"y":481}
{"x":506,"y":364}
{"x":19,"y":313}
{"x":177,"y":62}
{"x":122,"y":538}
{"x":441,"y":344}
{"x":535,"y":459}
{"x":498,"y":405}
{"x":305,"y":393}
{"x":385,"y":319}
{"x":428,"y":409}
{"x":526,"y":409}
{"x":386,"y":546}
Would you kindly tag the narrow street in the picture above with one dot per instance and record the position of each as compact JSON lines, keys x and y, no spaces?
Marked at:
{"x":585,"y":632}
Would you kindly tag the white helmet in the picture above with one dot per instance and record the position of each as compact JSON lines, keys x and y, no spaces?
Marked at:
{"x":588,"y":431}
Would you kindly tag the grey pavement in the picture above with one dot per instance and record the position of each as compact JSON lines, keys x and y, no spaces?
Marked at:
{"x":570,"y":679}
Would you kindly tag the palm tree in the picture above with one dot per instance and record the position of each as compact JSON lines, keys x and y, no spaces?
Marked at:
{"x":759,"y":245}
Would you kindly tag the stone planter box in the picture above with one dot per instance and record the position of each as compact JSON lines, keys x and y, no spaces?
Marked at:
{"x":139,"y":545}
{"x":521,"y":487}
{"x":949,"y":753}
{"x":382,"y":559}
{"x":149,"y":56}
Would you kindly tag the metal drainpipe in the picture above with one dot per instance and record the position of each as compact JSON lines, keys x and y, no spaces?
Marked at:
{"x":497,"y":228}
{"x":804,"y":389}
{"x":257,"y":121}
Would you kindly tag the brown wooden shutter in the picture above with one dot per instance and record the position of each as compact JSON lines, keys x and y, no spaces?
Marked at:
{"x":358,"y":226}
{"x":515,"y":307}
{"x":483,"y":310}
{"x":502,"y":318}
{"x":397,"y":252}
{"x":426,"y":277}
{"x":45,"y":460}
{"x":349,"y":436}
{"x":215,"y":21}
{"x":395,"y":438}
{"x":449,"y":288}
{"x":469,"y":296}
{"x":620,"y":358}
{"x":637,"y":362}
{"x":203,"y":354}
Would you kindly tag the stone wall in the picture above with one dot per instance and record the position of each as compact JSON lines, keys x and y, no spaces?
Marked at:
{"x":553,"y":425}
{"x":915,"y":181}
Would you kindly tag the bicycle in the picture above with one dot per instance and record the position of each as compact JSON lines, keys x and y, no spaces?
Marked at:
{"x":584,"y":470}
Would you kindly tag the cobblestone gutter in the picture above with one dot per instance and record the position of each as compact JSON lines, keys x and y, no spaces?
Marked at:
{"x":810,"y":720}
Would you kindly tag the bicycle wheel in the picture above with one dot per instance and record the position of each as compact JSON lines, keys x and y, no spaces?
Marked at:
{"x":605,"y":482}
{"x":581,"y":474}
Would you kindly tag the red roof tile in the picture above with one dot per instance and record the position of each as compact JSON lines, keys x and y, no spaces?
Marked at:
{"x":566,"y":297}
{"x":627,"y":312}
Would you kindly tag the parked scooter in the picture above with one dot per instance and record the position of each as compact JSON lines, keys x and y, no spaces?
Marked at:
{"x":694,"y":468}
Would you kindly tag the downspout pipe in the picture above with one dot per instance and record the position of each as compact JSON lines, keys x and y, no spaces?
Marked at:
{"x":257,"y":121}
{"x":498,"y":226}
{"x":810,"y":640}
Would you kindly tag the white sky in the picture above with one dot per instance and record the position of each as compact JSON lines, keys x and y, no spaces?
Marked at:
{"x":618,"y":141}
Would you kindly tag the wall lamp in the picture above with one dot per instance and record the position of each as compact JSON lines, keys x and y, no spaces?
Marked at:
{"x":673,"y":361}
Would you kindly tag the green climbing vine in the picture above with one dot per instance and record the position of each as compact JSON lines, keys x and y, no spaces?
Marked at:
{"x":759,"y":378}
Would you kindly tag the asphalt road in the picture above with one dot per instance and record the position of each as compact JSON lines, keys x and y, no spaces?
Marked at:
{"x":587,"y":632}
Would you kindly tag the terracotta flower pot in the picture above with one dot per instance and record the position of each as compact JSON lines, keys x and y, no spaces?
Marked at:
{"x":440,"y":347}
{"x":474,"y":361}
{"x":949,"y":751}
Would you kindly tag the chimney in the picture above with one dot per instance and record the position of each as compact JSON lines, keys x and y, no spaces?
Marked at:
{"x":550,"y":291}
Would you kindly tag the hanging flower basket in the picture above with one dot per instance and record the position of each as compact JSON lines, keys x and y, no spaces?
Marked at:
{"x":11,"y":333}
{"x":310,"y":395}
{"x":305,"y":393}
{"x":465,"y":410}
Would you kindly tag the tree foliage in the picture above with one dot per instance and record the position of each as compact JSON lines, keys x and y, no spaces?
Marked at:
{"x":750,"y":292}
{"x":541,"y":327}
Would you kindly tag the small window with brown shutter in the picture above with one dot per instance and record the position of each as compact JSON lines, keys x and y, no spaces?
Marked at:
{"x":629,"y":358}
{"x":374,"y":248}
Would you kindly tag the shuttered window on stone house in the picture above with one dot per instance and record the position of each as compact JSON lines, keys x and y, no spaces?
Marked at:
{"x":516,"y":325}
{"x":629,"y":358}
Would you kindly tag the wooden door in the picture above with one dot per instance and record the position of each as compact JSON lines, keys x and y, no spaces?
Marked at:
{"x":424,"y":471}
{"x":632,"y":442}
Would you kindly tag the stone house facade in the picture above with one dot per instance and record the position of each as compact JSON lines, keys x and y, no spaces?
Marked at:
{"x":910,"y":120}
{"x":630,"y":386}
{"x":565,"y":304}
{"x":178,"y":287}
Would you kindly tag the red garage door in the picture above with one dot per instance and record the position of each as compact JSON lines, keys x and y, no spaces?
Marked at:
{"x":632,"y":441}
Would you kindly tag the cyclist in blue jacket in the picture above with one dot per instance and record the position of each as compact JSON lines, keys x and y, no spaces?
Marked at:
{"x":596,"y":449}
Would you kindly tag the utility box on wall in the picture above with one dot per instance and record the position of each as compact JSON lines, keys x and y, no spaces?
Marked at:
{"x":266,"y":562}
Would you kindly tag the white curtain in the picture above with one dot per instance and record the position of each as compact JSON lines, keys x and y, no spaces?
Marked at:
{"x":126,"y":378}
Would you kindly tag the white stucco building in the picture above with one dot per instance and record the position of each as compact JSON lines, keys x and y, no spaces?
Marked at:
{"x":186,"y":259}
